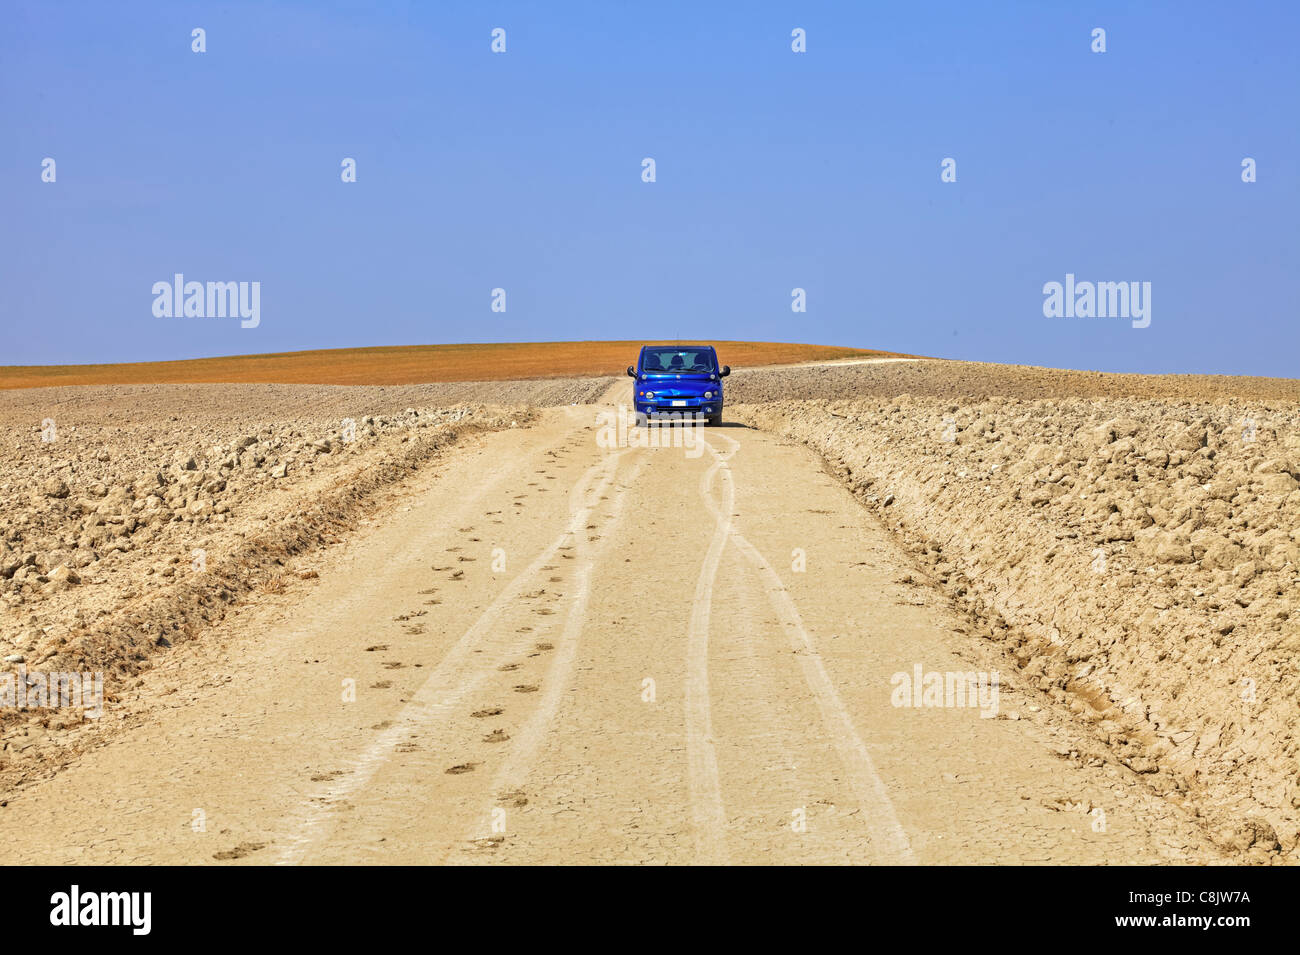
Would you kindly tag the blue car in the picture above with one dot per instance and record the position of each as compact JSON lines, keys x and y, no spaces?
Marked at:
{"x":679,"y":383}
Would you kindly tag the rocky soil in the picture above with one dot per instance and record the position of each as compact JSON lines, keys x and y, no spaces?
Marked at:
{"x":135,"y":517}
{"x":972,"y":380}
{"x":1134,"y":548}
{"x":1130,"y":544}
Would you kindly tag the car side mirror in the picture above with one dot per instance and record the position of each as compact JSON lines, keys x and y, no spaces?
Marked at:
{"x":726,"y":370}
{"x":631,"y":372}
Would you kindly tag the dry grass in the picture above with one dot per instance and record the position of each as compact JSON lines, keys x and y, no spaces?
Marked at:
{"x":406,"y":364}
{"x":274,"y":584}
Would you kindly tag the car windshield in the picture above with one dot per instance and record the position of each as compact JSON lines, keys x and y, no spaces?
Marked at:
{"x":677,"y":361}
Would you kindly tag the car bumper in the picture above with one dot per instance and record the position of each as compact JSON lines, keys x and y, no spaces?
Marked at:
{"x":679,"y":406}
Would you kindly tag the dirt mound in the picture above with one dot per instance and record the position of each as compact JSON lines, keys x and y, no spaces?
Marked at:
{"x":129,"y":408}
{"x":1138,"y":559}
{"x":974,"y":381}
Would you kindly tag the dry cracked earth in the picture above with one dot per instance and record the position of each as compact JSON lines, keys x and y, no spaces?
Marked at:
{"x":892,"y":612}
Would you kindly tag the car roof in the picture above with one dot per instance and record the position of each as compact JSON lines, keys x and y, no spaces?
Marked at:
{"x":678,"y":345}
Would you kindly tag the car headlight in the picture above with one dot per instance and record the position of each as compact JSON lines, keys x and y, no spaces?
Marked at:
{"x":649,"y":394}
{"x":708,"y":394}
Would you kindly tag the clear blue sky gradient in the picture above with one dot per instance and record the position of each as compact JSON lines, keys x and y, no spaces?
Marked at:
{"x":775,"y":170}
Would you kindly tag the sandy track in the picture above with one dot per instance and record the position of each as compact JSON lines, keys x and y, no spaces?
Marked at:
{"x":869,"y":790}
{"x":564,"y":653}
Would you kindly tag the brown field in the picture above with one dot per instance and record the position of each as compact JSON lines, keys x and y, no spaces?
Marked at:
{"x":406,"y":364}
{"x":1120,"y":550}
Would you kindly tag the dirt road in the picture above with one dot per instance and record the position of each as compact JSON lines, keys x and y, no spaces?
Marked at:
{"x":554,"y":651}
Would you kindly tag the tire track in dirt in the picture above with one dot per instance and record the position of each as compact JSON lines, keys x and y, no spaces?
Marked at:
{"x":708,"y":813}
{"x":346,"y":609}
{"x":887,"y":833}
{"x":451,"y":681}
{"x":527,"y":744}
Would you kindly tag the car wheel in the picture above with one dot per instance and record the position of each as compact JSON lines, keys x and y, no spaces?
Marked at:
{"x":715,"y":420}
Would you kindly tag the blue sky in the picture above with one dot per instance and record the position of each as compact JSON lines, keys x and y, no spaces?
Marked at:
{"x":775,"y":170}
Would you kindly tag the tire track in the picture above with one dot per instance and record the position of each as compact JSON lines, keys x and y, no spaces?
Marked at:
{"x":887,"y":833}
{"x":453,"y":679}
{"x":527,"y":744}
{"x":708,"y":815}
{"x":346,"y":609}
